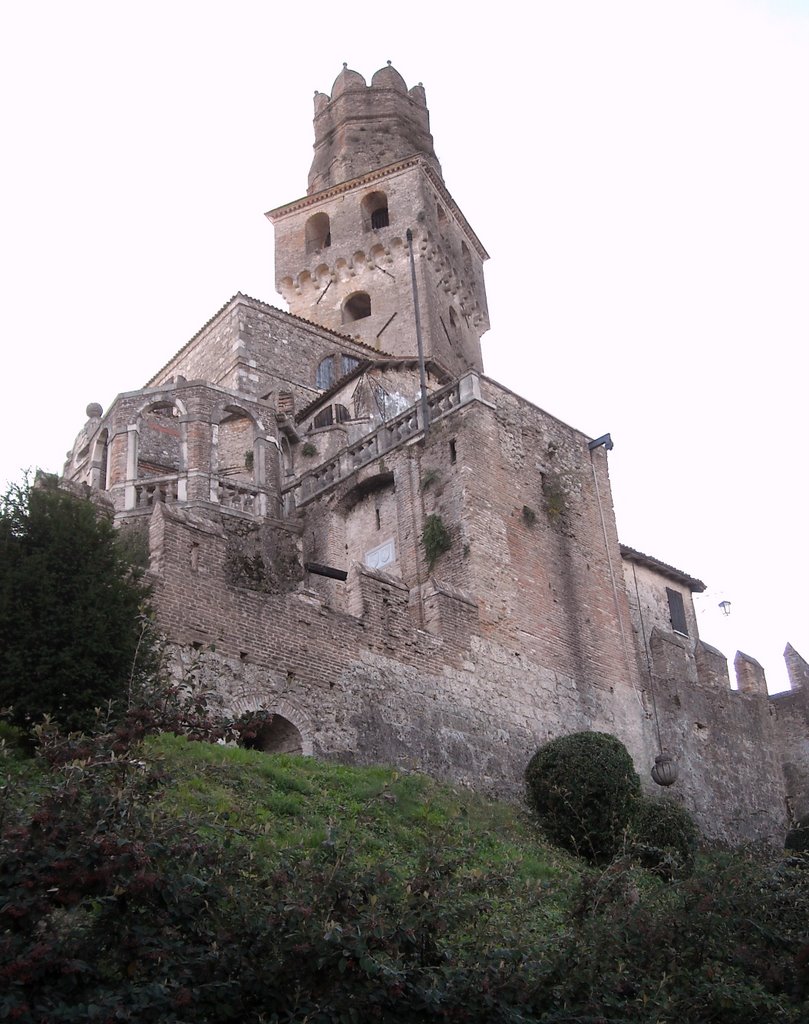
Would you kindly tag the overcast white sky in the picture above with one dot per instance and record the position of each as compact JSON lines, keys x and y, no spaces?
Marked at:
{"x":638,"y":171}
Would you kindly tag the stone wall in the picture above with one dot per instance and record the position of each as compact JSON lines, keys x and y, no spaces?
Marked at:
{"x":723,"y":740}
{"x":791,"y":725}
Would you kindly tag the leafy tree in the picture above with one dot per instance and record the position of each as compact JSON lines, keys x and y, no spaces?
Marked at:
{"x":72,"y":607}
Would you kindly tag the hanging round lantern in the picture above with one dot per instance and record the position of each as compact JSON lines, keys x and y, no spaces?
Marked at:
{"x":665,"y":771}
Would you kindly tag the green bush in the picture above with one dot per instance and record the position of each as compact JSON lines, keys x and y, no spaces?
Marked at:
{"x":435,"y":538}
{"x":585,"y":789}
{"x":664,"y":837}
{"x":797,"y":838}
{"x":72,"y":608}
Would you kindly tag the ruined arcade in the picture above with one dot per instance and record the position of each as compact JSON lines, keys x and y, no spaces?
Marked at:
{"x":352,"y":526}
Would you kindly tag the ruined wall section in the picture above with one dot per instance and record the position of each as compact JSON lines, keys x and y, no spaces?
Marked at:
{"x":722,"y":740}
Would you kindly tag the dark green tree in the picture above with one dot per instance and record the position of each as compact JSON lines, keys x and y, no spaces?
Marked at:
{"x":73,"y":608}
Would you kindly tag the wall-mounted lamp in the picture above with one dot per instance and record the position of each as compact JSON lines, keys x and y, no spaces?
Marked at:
{"x":605,"y":439}
{"x":725,"y":606}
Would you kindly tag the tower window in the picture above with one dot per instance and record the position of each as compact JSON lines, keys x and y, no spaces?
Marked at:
{"x":356,"y":307}
{"x":375,"y":211}
{"x":318,"y":232}
{"x":453,"y":319}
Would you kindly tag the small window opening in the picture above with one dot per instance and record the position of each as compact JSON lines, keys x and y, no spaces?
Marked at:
{"x":453,"y":319}
{"x":378,"y":520}
{"x":442,"y":213}
{"x":356,"y":307}
{"x":375,"y":211}
{"x":341,"y":414}
{"x":318,"y":232}
{"x":677,"y":611}
{"x":453,"y":454}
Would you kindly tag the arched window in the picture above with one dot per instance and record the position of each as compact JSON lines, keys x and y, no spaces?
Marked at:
{"x":356,"y":307}
{"x":324,"y":418}
{"x":325,"y":373}
{"x":341,"y":414}
{"x":375,"y":211}
{"x":347,"y":363}
{"x":318,"y":232}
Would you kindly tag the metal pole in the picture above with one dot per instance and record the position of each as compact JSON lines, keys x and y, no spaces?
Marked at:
{"x":425,"y":410}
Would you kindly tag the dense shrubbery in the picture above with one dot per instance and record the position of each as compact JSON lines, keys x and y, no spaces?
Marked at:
{"x":664,"y":837}
{"x":585,"y":790}
{"x":798,"y":836}
{"x":112,"y":909}
{"x":72,"y":609}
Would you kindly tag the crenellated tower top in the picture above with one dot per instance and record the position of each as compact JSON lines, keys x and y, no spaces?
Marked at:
{"x":361,"y":127}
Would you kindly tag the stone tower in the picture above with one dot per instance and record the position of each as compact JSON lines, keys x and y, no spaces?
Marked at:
{"x":341,"y":252}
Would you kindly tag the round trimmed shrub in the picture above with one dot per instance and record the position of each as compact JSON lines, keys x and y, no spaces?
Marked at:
{"x":664,"y":838}
{"x":797,"y":838}
{"x":585,"y":789}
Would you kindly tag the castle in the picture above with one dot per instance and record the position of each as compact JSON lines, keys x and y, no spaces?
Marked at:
{"x":351,"y":526}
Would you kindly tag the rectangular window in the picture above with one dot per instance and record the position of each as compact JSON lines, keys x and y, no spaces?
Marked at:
{"x":677,"y":611}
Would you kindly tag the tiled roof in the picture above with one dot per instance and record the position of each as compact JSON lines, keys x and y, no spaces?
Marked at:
{"x":631,"y":555}
{"x":272,"y":309}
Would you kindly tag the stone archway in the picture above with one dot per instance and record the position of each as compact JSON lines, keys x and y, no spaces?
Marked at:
{"x":288,"y":730}
{"x":277,"y":736}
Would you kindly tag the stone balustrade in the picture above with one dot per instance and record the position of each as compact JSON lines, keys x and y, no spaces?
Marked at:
{"x":384,"y":439}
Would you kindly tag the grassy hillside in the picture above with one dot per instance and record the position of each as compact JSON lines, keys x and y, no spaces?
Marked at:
{"x":187,"y":882}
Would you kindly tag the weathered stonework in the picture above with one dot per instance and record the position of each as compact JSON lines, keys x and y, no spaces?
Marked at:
{"x":286,"y":465}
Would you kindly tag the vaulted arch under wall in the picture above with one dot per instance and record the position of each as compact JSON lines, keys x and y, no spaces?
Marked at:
{"x":288,"y":727}
{"x":277,"y":736}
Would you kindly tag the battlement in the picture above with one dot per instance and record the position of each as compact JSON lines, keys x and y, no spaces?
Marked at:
{"x":361,"y":127}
